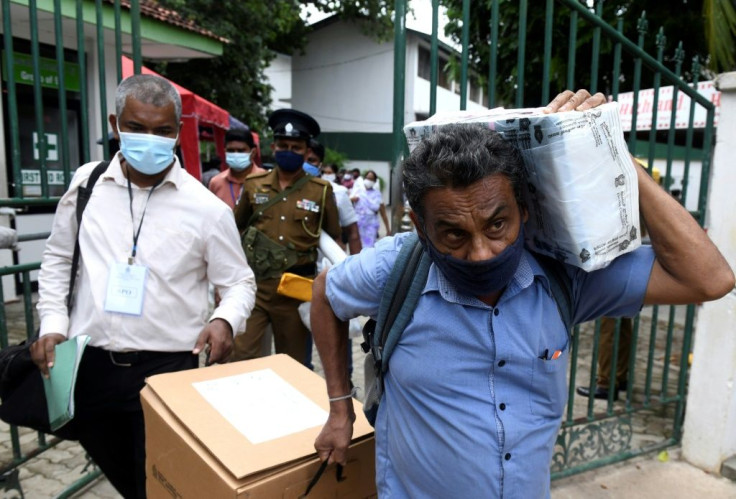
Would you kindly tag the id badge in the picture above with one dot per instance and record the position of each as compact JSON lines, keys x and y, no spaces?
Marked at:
{"x":126,"y":288}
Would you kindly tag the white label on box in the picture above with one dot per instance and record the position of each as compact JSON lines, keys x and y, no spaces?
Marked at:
{"x":261,"y":405}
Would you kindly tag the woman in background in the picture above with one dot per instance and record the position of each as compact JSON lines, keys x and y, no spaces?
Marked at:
{"x":368,"y":204}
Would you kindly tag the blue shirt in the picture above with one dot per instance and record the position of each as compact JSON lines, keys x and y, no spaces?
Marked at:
{"x":472,"y":406}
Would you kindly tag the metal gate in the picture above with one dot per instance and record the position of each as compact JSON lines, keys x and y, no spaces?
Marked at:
{"x":45,"y":60}
{"x":650,"y":413}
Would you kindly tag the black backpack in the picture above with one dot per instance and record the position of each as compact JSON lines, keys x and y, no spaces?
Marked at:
{"x":399,"y":299}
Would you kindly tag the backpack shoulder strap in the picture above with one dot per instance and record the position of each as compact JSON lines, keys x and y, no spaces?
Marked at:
{"x":560,"y":285}
{"x":400,"y":296}
{"x":83,"y":195}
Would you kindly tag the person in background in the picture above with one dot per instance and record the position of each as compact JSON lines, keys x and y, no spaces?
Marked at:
{"x":239,"y":150}
{"x":348,"y":216}
{"x":281,"y":215}
{"x":368,"y":204}
{"x":346,"y":178}
{"x":606,"y":348}
{"x":357,"y":186}
{"x":151,"y":239}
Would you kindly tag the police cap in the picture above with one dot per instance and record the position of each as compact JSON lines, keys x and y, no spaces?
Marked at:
{"x":293,"y":124}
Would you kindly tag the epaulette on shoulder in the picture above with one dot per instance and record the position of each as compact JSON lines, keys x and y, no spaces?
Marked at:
{"x":319,"y":181}
{"x":258,"y":175}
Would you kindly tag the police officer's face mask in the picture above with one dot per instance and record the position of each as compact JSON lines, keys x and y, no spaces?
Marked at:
{"x":289,"y":161}
{"x":478,"y":278}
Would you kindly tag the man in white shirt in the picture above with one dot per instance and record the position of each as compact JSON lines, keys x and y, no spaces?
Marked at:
{"x":153,"y":234}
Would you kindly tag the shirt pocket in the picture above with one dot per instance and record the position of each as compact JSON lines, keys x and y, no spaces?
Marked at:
{"x":548,"y":390}
{"x":176,"y":253}
{"x":307,"y":222}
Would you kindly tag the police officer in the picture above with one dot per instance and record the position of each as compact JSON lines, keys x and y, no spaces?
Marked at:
{"x":280,"y":215}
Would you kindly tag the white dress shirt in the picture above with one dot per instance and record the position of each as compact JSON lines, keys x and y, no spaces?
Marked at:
{"x":188,"y":238}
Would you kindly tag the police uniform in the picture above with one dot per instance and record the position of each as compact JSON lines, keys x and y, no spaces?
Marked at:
{"x":282,"y":236}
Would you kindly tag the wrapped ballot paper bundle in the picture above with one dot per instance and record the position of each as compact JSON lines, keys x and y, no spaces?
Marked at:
{"x":581,"y":191}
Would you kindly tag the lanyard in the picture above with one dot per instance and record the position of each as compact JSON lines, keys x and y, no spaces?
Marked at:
{"x":132,"y":218}
{"x":232,"y":193}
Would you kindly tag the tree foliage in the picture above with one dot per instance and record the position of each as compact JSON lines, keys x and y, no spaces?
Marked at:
{"x":256,"y":30}
{"x":677,"y":19}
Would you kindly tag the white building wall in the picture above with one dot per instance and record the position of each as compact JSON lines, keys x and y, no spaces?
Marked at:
{"x":345,"y":80}
{"x":278,"y":74}
{"x":710,"y":421}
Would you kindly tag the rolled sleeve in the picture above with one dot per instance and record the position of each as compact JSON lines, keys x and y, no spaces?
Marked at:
{"x":230,"y":273}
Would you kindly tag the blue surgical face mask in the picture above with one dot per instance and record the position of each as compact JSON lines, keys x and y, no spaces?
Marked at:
{"x":311,"y":169}
{"x":149,"y":154}
{"x":238,"y":161}
{"x":479,"y":278}
{"x":289,"y":161}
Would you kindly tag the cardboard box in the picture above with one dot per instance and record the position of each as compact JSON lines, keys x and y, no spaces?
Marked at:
{"x":197,"y":422}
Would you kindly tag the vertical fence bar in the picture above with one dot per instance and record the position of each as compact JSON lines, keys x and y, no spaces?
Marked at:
{"x":63,"y":144}
{"x":594,"y":369}
{"x":464,"y":56}
{"x":596,"y":50}
{"x":632,"y":362}
{"x":135,"y":33}
{"x":548,"y":20}
{"x":617,"y":61}
{"x":399,"y":78}
{"x":690,"y":132}
{"x":650,"y":357}
{"x":493,"y":66}
{"x":38,"y":98}
{"x":668,"y":353}
{"x":12,"y":100}
{"x":612,"y":381}
{"x":682,"y":379}
{"x":433,"y":58}
{"x":573,"y":375}
{"x":101,"y":76}
{"x":82,"y":60}
{"x":661,"y":42}
{"x":520,"y":57}
{"x":572,"y":49}
{"x":679,"y":57}
{"x":705,"y":165}
{"x":641,"y":27}
{"x":119,"y":43}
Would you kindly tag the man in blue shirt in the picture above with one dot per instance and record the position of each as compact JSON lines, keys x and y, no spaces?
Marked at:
{"x":477,"y":385}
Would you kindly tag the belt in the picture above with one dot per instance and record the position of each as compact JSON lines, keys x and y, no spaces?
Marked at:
{"x":128,"y":359}
{"x":305,"y":270}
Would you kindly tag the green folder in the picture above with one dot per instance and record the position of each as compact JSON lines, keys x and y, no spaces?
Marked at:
{"x":59,"y":386}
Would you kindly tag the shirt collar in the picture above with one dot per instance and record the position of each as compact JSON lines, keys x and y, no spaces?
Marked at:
{"x":527,"y":271}
{"x":114,"y":172}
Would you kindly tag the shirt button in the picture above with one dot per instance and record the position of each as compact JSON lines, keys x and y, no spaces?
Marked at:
{"x":501,"y":363}
{"x":502,"y":406}
{"x":507,"y":456}
{"x":283,"y":217}
{"x":281,"y":238}
{"x":306,"y":218}
{"x":496,"y":312}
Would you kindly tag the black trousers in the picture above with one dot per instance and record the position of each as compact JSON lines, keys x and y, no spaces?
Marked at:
{"x":109,"y":418}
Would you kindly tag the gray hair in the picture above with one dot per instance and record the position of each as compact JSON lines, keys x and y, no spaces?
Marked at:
{"x":148,"y":89}
{"x":458,"y":156}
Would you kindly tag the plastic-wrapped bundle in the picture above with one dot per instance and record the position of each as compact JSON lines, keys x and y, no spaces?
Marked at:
{"x":581,"y":190}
